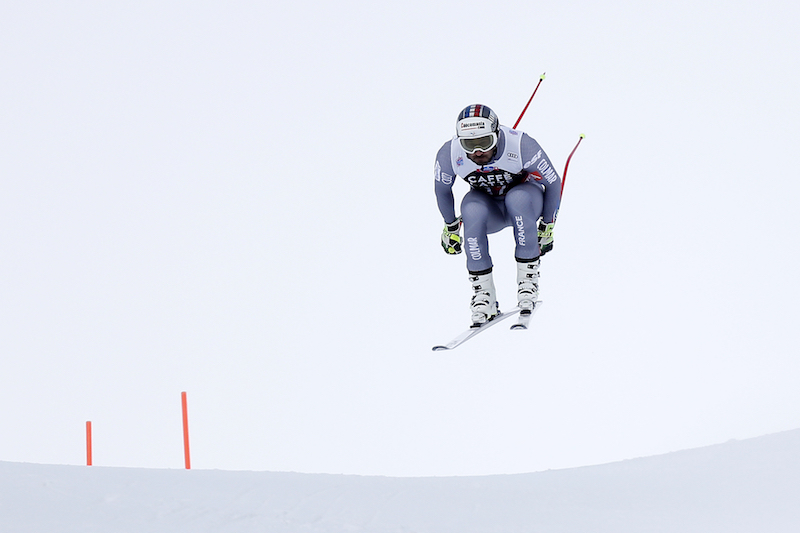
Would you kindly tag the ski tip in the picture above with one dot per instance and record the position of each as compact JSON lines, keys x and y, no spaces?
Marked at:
{"x":516,"y":327}
{"x":439,"y":348}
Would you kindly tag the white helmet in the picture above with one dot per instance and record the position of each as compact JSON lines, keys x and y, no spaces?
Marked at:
{"x":477,"y":128}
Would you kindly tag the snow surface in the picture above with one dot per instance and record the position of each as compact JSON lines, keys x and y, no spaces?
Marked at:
{"x":740,"y":486}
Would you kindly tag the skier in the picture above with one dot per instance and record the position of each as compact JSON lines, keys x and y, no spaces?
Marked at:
{"x":512,"y":183}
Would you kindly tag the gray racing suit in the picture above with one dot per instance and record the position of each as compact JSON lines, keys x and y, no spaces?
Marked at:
{"x":517,"y":188}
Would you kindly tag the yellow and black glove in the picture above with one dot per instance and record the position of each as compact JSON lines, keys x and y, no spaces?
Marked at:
{"x":451,"y":240}
{"x":545,"y":236}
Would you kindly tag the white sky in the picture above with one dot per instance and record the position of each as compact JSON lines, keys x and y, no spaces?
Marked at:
{"x":235,"y":199}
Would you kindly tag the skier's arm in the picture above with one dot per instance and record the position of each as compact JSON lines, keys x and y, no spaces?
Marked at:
{"x":537,"y":163}
{"x":443,"y":185}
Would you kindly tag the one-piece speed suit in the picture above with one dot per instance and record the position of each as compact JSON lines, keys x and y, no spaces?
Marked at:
{"x":517,"y":188}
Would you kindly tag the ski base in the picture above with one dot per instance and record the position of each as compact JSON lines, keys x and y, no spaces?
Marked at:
{"x":472,"y":331}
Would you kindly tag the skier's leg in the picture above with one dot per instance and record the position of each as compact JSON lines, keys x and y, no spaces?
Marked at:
{"x":481,"y":215}
{"x":524,"y":207}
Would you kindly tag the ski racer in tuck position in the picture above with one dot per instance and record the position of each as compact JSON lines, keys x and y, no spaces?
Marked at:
{"x":512,"y":183}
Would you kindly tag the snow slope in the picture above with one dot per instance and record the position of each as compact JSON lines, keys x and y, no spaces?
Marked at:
{"x":740,"y":486}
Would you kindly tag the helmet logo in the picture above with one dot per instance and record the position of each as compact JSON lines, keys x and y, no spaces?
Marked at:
{"x":475,"y":119}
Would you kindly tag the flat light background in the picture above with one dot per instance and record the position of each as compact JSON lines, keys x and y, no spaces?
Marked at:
{"x":235,"y":199}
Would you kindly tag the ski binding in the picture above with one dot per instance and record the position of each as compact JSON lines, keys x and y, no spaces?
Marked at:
{"x":525,"y":317}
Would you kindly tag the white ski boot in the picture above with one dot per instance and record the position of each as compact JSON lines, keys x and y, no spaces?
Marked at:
{"x":484,"y":299}
{"x":527,"y":285}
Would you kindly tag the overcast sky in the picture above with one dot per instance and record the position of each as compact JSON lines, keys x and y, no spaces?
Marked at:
{"x":235,"y":199}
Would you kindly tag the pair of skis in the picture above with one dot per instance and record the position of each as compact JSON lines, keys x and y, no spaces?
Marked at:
{"x":522,"y":323}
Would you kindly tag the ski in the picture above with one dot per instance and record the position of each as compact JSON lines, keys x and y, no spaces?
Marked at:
{"x":525,"y":317}
{"x":471,"y":332}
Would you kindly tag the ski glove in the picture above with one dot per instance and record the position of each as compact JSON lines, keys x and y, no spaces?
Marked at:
{"x":545,"y":236}
{"x":451,"y":240}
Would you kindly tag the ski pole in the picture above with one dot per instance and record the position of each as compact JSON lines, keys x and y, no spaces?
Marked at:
{"x":529,"y":100}
{"x":566,"y":166}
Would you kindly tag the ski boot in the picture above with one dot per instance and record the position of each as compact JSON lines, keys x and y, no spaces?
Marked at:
{"x":527,"y":284}
{"x":484,"y":300}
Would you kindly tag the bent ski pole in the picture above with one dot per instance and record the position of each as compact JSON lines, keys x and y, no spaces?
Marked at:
{"x":529,"y":101}
{"x":566,"y":166}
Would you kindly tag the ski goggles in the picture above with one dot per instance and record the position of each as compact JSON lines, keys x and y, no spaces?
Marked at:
{"x":473,"y":144}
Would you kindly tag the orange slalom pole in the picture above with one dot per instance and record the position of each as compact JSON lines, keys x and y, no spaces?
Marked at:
{"x":185,"y":432}
{"x":88,"y":443}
